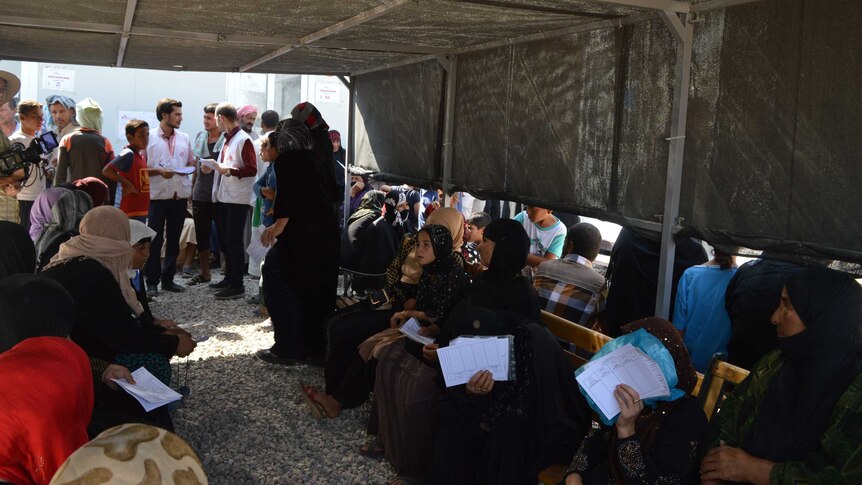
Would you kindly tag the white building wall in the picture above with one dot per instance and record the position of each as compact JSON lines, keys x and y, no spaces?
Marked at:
{"x":120,"y":90}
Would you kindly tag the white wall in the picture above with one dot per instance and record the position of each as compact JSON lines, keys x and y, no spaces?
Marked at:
{"x":122,"y":89}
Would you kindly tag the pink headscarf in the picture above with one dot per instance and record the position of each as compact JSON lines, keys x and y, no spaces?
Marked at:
{"x":244,"y":110}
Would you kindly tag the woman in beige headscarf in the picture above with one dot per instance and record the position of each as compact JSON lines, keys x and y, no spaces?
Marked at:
{"x":133,"y":454}
{"x":105,"y":237}
{"x":93,"y":268}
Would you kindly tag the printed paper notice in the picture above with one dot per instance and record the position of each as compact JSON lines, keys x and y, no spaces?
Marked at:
{"x":58,"y":78}
{"x":411,"y":330}
{"x":256,"y":250}
{"x":625,"y":365}
{"x":462,"y":361}
{"x":148,"y":390}
{"x":209,"y":162}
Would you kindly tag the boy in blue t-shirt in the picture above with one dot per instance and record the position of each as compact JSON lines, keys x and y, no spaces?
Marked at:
{"x":547,"y":234}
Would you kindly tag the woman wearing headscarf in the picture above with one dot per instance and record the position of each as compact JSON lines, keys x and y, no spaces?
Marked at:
{"x":98,"y":190}
{"x":138,"y":454}
{"x":66,"y":215}
{"x":405,"y":386}
{"x":17,"y":254}
{"x":40,"y":215}
{"x":369,"y":243}
{"x":306,"y":244}
{"x":93,"y":267}
{"x":369,"y":211}
{"x":46,"y":386}
{"x":349,"y":374}
{"x":505,"y":250}
{"x":506,"y":432}
{"x":796,"y":417}
{"x":647,"y":445}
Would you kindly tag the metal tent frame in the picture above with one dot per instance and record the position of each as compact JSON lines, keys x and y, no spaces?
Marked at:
{"x":347,"y":40}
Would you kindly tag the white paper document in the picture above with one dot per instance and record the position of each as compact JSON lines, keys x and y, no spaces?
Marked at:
{"x":148,"y":390}
{"x":468,"y":355}
{"x":184,"y":170}
{"x":256,"y":250}
{"x":209,"y":162}
{"x":625,"y":365}
{"x":410,"y":328}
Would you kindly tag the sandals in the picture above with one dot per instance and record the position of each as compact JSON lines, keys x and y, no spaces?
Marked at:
{"x":373,"y":449}
{"x":316,"y":408}
{"x":197,"y":279}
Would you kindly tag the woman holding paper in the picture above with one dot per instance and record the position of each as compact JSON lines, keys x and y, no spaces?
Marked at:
{"x":796,"y":418}
{"x":647,"y":445}
{"x":405,"y":386}
{"x":505,"y":432}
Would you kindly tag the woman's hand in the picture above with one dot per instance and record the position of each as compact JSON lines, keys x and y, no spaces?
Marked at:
{"x":481,"y":383}
{"x":206,"y":170}
{"x":727,"y":463}
{"x":574,"y":479}
{"x":272,"y":232}
{"x":177,"y":331}
{"x":114,"y":371}
{"x":429,"y":352}
{"x":630,"y":408}
{"x":166,"y":173}
{"x":430,"y":331}
{"x":165,"y":323}
{"x":268,"y":193}
{"x":398,"y":319}
{"x":185,"y":346}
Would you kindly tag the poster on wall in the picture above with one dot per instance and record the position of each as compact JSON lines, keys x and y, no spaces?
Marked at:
{"x":327,"y":93}
{"x":126,"y":116}
{"x":58,"y":79}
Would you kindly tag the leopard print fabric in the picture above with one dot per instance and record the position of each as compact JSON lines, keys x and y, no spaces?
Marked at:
{"x":133,"y":454}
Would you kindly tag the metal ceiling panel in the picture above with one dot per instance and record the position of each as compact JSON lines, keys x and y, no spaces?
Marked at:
{"x":153,"y":52}
{"x":328,"y":61}
{"x":101,"y":11}
{"x":268,"y":18}
{"x":57,"y":46}
{"x":442,"y":23}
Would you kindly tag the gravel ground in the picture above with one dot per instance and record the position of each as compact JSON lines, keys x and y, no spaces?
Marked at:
{"x":247,"y":419}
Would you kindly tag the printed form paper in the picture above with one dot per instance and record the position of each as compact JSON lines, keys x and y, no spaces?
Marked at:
{"x":256,"y":250}
{"x":625,"y":365}
{"x":148,"y":390}
{"x":209,"y":162}
{"x":410,"y":328}
{"x":468,"y":356}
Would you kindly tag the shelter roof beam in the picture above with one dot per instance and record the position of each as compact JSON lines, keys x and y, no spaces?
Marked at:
{"x":359,"y":19}
{"x":127,"y":27}
{"x":671,"y":5}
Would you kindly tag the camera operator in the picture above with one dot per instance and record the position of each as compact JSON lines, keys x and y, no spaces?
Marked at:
{"x":9,"y":86}
{"x":30,"y":114}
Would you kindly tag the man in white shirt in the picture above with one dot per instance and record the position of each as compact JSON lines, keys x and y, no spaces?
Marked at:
{"x":233,"y":189}
{"x":169,"y":152}
{"x":30,"y":114}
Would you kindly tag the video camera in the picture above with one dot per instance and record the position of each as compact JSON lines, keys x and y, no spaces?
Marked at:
{"x":19,"y":157}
